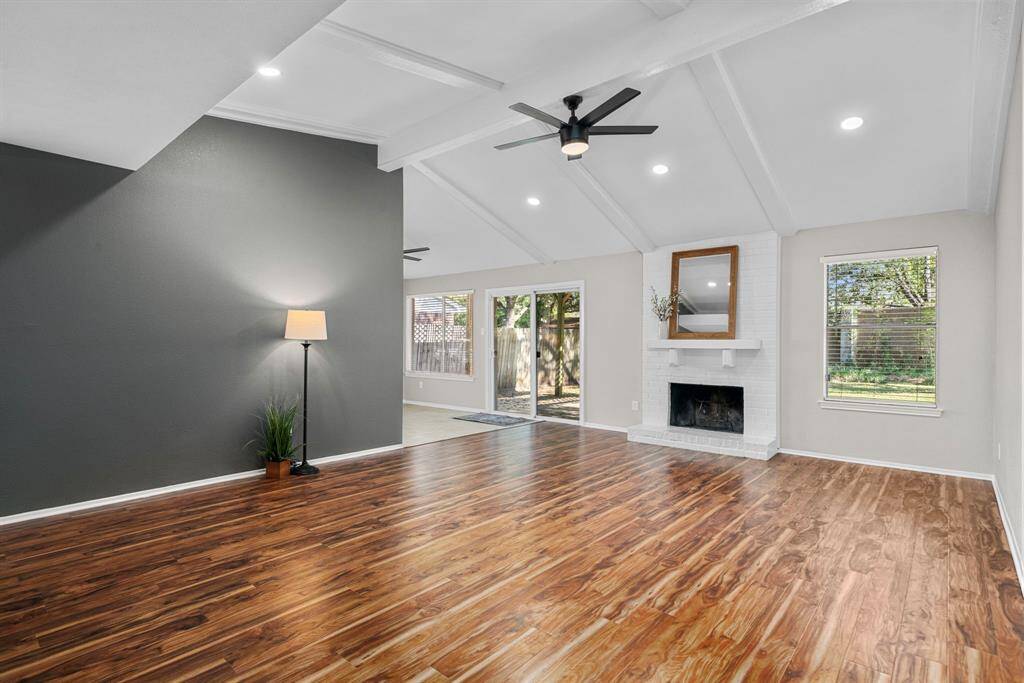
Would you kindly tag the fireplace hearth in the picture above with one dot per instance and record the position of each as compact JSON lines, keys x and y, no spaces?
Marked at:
{"x":704,"y":406}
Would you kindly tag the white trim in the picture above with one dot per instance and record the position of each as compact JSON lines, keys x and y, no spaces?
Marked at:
{"x":184,"y":486}
{"x":607,"y":428}
{"x":449,"y":376}
{"x":273,"y":118}
{"x":846,"y":404}
{"x":873,"y":407}
{"x":1011,"y":540}
{"x":470,"y":330}
{"x":444,"y":406}
{"x":355,"y":454}
{"x":996,"y":36}
{"x":482,"y":212}
{"x":736,"y":344}
{"x":717,"y":86}
{"x":881,"y":255}
{"x":454,"y":292}
{"x":403,"y":59}
{"x":885,"y":463}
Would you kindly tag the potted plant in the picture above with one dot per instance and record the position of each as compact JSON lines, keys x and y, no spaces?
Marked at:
{"x":274,"y":438}
{"x":663,"y":308}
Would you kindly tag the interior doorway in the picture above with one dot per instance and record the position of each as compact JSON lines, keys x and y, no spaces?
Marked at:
{"x":535,"y":348}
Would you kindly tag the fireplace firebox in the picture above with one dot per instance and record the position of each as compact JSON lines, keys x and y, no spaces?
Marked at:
{"x":704,"y":406}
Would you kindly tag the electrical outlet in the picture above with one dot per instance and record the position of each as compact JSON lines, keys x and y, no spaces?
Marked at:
{"x":636,"y":405}
{"x":999,"y":451}
{"x":421,"y":384}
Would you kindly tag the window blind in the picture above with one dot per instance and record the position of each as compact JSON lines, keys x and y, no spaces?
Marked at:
{"x":441,"y":334}
{"x":880,"y":328}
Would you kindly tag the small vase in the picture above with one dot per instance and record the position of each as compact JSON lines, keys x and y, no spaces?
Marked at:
{"x":662,"y":329}
{"x":278,"y":469}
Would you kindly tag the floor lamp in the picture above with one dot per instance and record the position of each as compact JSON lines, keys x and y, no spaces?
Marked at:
{"x":305,"y":326}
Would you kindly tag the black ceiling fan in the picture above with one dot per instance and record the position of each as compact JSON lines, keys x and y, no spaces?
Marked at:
{"x":413,"y":251}
{"x":574,"y":134}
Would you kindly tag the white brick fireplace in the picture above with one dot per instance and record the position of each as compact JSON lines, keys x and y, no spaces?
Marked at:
{"x":750,"y":361}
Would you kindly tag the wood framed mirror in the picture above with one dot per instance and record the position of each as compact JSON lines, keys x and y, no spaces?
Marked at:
{"x":705,"y":283}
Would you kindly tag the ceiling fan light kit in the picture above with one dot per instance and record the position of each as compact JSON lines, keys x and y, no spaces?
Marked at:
{"x":574,"y":134}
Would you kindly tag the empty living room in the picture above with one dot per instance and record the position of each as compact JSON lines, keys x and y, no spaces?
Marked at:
{"x":511,"y":340}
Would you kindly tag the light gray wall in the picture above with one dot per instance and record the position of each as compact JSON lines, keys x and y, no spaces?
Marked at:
{"x":1008,"y":378}
{"x":142,"y":313}
{"x":612,"y":310}
{"x":961,"y":438}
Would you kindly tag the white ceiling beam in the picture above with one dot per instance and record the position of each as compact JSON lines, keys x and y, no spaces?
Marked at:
{"x":996,"y":36}
{"x":401,"y":58}
{"x":499,"y":226}
{"x":720,"y":93}
{"x":591,"y":188}
{"x":274,"y":118}
{"x":663,"y":9}
{"x":703,"y":28}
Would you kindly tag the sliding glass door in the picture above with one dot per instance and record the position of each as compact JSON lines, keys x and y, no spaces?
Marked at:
{"x":513,"y":391}
{"x":558,"y":354}
{"x":536,"y":344}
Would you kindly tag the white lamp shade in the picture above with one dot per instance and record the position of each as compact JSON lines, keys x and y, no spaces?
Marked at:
{"x":306,"y":325}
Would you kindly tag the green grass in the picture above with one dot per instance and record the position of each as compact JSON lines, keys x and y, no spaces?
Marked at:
{"x":869,"y":391}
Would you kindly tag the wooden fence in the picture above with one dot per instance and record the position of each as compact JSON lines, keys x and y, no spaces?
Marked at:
{"x":512,"y":361}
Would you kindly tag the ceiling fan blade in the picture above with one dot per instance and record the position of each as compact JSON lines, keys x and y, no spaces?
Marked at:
{"x":509,"y":145}
{"x":417,"y":249}
{"x":411,"y":258}
{"x":535,"y":113}
{"x":608,"y":106}
{"x":622,"y":130}
{"x":573,"y":157}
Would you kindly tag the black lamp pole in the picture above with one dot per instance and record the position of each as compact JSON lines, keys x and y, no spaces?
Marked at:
{"x":305,"y":467}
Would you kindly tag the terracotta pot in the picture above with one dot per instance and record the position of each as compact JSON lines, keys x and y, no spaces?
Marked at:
{"x":279,"y":470}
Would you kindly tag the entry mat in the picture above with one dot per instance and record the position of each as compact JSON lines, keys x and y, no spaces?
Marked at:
{"x":497,"y":420}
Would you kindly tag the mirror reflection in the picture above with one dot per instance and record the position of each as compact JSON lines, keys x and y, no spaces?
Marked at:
{"x":703,"y":283}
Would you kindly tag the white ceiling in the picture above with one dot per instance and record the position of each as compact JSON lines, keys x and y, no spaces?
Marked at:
{"x":114,"y":82}
{"x":747,"y":94}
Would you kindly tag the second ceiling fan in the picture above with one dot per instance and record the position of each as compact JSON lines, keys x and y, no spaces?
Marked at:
{"x":574,"y":134}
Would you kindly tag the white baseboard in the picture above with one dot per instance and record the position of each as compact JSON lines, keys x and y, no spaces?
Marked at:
{"x":445,"y":406}
{"x":609,"y":428}
{"x":885,"y":463}
{"x":1011,"y":540}
{"x":184,"y":486}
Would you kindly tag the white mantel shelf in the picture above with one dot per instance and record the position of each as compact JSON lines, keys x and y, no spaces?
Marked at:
{"x":728,"y":347}
{"x":704,"y":344}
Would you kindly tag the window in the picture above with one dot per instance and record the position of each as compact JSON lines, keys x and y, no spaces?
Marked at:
{"x":441,"y":334}
{"x":880,"y":327}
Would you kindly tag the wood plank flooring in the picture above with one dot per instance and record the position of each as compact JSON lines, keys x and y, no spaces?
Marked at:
{"x":544,"y":552}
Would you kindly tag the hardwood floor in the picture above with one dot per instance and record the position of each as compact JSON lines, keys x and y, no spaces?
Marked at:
{"x":545,"y":552}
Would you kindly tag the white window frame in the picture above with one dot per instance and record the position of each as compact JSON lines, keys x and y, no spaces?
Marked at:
{"x":457,"y":377}
{"x":867,"y":405}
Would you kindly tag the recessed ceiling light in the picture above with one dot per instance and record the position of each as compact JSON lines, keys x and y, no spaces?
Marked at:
{"x":852,"y":123}
{"x":712,"y":283}
{"x":533,"y":201}
{"x":659,"y":169}
{"x":269,"y":71}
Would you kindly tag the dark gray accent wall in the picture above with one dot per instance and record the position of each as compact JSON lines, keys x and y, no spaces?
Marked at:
{"x":142,"y":314}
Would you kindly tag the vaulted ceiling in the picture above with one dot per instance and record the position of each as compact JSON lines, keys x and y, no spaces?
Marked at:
{"x":748,"y":96}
